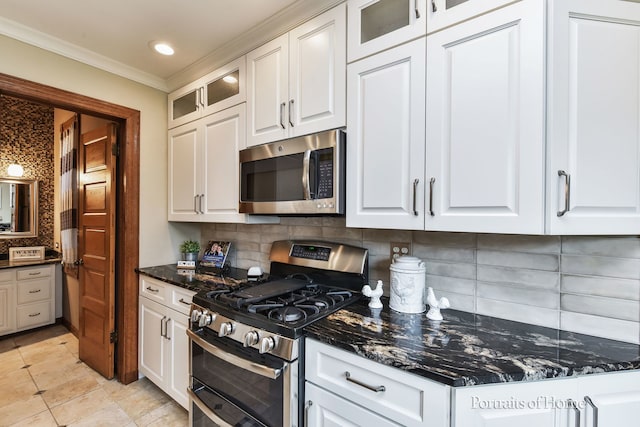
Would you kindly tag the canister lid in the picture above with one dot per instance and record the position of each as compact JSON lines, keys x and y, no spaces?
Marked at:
{"x":406,"y":262}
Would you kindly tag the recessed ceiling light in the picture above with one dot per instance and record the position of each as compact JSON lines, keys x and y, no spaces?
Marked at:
{"x":162,"y":48}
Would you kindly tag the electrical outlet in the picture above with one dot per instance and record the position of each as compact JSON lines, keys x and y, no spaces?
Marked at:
{"x":397,"y":249}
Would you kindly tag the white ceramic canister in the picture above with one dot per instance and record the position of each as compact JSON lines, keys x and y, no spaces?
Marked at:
{"x":407,"y":284}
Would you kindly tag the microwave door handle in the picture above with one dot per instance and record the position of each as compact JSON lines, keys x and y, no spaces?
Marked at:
{"x":306,"y":189}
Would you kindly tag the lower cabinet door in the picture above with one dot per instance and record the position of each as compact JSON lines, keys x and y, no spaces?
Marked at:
{"x":611,"y":399}
{"x":178,"y":342}
{"x":153,"y":361}
{"x":327,"y":409}
{"x":7,"y":308}
{"x":31,"y":315}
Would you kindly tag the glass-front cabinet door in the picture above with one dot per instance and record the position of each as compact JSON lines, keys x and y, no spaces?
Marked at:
{"x":220,"y":89}
{"x":444,"y":13}
{"x":375,"y":25}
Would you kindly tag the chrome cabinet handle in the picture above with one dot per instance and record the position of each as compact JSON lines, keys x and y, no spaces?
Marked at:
{"x":306,"y":189}
{"x":415,"y":196}
{"x":378,"y":389}
{"x":35,"y":291}
{"x":415,"y":8}
{"x":162,"y":326}
{"x":166,"y":328}
{"x":432,"y":182}
{"x":184,"y":302}
{"x":434,"y":7}
{"x":576,"y":410}
{"x":202,"y":97}
{"x":150,"y":289}
{"x":567,"y":192}
{"x":197,"y":99}
{"x":306,"y":412}
{"x":34,"y":315}
{"x":282,"y":114}
{"x":594,"y":408}
{"x":195,"y":203}
{"x":35,"y":273}
{"x":200,"y":203}
{"x":291,"y":112}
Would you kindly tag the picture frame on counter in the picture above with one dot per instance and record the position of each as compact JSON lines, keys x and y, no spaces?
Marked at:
{"x":26,"y":253}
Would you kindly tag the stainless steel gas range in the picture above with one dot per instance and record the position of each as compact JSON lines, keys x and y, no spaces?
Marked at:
{"x":246,"y":351}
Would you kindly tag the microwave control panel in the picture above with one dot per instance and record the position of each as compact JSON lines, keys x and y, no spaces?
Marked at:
{"x":325,"y":174}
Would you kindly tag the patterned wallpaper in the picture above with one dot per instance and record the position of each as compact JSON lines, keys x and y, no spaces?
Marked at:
{"x":26,"y":138}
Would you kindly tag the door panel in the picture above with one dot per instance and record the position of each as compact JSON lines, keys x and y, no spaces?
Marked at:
{"x":183,"y":171}
{"x":96,"y":240}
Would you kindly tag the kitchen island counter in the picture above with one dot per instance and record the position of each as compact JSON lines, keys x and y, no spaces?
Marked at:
{"x":467,"y":349}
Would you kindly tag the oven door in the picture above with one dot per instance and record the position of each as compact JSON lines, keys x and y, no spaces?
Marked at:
{"x":236,"y":386}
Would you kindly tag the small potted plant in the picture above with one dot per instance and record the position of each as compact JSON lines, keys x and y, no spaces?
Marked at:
{"x":190,"y":250}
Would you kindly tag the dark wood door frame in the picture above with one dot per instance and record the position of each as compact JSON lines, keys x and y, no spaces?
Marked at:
{"x":128,"y":209}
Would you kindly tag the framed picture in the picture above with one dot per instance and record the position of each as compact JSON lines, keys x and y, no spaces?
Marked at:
{"x":215,"y":254}
{"x":26,"y":253}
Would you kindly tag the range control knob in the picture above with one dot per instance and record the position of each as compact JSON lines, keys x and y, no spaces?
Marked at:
{"x":267,"y":344}
{"x":226,"y":328}
{"x":195,"y":315}
{"x":251,"y":338}
{"x":206,"y":318}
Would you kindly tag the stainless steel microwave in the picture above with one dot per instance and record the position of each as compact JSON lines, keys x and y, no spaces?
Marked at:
{"x":297,"y":176}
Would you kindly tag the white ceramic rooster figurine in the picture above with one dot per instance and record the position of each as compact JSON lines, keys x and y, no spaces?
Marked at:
{"x":374,"y":294}
{"x":435,"y":305}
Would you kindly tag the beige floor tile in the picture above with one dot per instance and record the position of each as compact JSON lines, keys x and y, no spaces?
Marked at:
{"x":41,"y":335}
{"x":53,"y":375}
{"x":38,"y":353}
{"x":11,"y":378}
{"x":22,"y":390}
{"x":171,"y":414}
{"x":81,"y":407}
{"x":109,"y":416}
{"x":10,"y":361}
{"x":21,"y":409}
{"x":43,"y":419}
{"x":142,"y":398}
{"x":76,"y":386}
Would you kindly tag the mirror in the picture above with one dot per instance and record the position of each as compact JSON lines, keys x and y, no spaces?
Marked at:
{"x":18,"y":208}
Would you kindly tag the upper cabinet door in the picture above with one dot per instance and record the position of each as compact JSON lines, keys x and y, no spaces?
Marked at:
{"x":444,"y":13}
{"x":317,"y":74}
{"x":593,"y":178}
{"x":485,"y":123}
{"x":385,"y":149}
{"x":184,"y":170}
{"x":375,"y":25}
{"x":184,"y":104}
{"x":224,"y":87}
{"x":267,"y":98}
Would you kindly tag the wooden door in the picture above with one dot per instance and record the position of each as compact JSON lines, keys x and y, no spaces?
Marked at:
{"x":96,"y":246}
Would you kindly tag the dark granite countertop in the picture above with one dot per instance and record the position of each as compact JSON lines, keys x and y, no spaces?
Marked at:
{"x":466,"y":349}
{"x":53,"y":259}
{"x":196,"y":282}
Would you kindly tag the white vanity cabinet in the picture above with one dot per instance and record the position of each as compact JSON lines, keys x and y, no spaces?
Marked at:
{"x":444,"y":13}
{"x":593,"y":168}
{"x":386,"y":140}
{"x":163,"y":347}
{"x":27,"y":297}
{"x":216,"y":91}
{"x":345,"y":389}
{"x":376,"y":25}
{"x":485,"y":123}
{"x":296,"y":83}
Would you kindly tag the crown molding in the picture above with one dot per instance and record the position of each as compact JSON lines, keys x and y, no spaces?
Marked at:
{"x":275,"y":26}
{"x":36,"y":38}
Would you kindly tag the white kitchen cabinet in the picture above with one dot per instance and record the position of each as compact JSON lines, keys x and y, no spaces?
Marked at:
{"x":386,"y":139}
{"x":376,"y":25}
{"x":363,"y":392}
{"x":485,"y":123}
{"x":593,"y":172}
{"x":204,"y":169}
{"x":615,"y":397}
{"x":444,"y":13}
{"x":296,"y":83}
{"x":163,"y":344}
{"x":27,"y":297}
{"x":216,"y":91}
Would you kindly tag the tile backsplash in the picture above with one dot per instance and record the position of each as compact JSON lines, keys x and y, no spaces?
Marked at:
{"x":583,"y":284}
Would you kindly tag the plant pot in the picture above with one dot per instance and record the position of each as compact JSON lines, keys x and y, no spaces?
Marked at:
{"x":190,"y":256}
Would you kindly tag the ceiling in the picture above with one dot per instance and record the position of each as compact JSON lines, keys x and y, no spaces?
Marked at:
{"x":115,"y":34}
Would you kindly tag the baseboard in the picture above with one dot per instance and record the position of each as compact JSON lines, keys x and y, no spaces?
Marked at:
{"x":69,"y":326}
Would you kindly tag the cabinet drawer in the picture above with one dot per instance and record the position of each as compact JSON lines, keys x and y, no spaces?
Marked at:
{"x":153,"y":289}
{"x":402,"y":397}
{"x":34,"y":314}
{"x":180,"y":299}
{"x":34,"y":290}
{"x":7,"y":275}
{"x":32,"y":273}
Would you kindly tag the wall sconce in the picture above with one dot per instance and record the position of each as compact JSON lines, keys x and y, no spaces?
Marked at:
{"x":15,"y":170}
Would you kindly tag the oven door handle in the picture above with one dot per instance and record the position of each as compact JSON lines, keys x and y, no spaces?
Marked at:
{"x":204,"y":408}
{"x":235,"y":360}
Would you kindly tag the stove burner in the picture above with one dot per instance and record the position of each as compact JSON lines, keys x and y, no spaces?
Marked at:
{"x":287,"y":314}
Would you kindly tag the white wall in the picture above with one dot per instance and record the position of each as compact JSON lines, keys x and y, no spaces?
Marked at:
{"x":159,"y":239}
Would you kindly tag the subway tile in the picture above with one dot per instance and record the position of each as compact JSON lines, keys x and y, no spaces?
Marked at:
{"x":617,"y":247}
{"x":531,"y":278}
{"x":604,"y":327}
{"x":520,"y":243}
{"x":332,"y":233}
{"x":601,"y":306}
{"x":303,"y":231}
{"x":334,"y":221}
{"x":452,"y":284}
{"x":377,"y":247}
{"x":518,"y":312}
{"x":518,"y":260}
{"x":314,"y":221}
{"x":246,"y":246}
{"x":224,"y":227}
{"x":268,"y":238}
{"x":444,"y":254}
{"x":371,"y":234}
{"x":450,"y":269}
{"x":458,"y":302}
{"x":519,"y":295}
{"x":601,"y":266}
{"x":435,"y":238}
{"x":601,"y":286}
